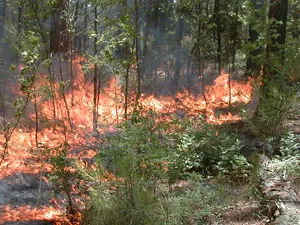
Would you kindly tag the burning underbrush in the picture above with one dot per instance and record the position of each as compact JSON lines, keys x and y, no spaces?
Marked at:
{"x":65,"y":132}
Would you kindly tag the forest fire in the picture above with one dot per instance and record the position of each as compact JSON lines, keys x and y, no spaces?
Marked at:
{"x":140,"y":112}
{"x":68,"y":117}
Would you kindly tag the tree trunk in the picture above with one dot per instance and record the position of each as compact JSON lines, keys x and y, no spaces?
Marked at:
{"x":235,"y":35}
{"x":277,"y":29}
{"x":59,"y":41}
{"x":253,"y":67}
{"x":77,"y":45}
{"x":146,"y":31}
{"x":2,"y":43}
{"x":276,"y":33}
{"x":85,"y":25}
{"x":95,"y":102}
{"x":271,"y":122}
{"x":2,"y":33}
{"x":178,"y":55}
{"x":138,"y":91}
{"x":218,"y":34}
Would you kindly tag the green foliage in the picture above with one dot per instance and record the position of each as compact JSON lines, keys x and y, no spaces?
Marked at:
{"x":136,"y":155}
{"x":255,"y":190}
{"x":289,"y":145}
{"x":211,"y":151}
{"x":125,"y":204}
{"x":135,"y":159}
{"x":198,"y":204}
{"x":288,"y":160}
{"x":279,"y":102}
{"x":63,"y":175}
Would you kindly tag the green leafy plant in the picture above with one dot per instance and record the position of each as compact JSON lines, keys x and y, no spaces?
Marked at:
{"x":211,"y":151}
{"x":63,"y":176}
{"x":194,"y":203}
{"x":288,"y":160}
{"x":136,"y":156}
{"x":278,"y":103}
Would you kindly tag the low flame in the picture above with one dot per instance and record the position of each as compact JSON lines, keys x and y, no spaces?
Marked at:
{"x":26,"y":213}
{"x":78,"y":107}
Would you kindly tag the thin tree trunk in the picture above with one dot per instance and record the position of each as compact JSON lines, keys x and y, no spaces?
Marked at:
{"x":71,"y":72}
{"x":229,"y":86}
{"x":138,"y":92}
{"x":218,"y":35}
{"x":52,"y":86}
{"x":178,"y":55}
{"x":85,"y":24}
{"x":95,"y":105}
{"x":3,"y":110}
{"x":2,"y":42}
{"x":277,"y":30}
{"x":19,"y":20}
{"x":252,"y":66}
{"x":63,"y":94}
{"x":235,"y":36}
{"x":77,"y":44}
{"x":201,"y":69}
{"x":145,"y":56}
{"x":207,"y":8}
{"x":189,"y":78}
{"x":36,"y":118}
{"x":201,"y":62}
{"x":126,"y":86}
{"x":2,"y":34}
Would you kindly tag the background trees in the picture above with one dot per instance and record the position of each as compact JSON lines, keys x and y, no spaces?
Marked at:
{"x":155,"y":46}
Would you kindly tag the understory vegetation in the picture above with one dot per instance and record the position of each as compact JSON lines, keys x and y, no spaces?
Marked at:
{"x":145,"y":173}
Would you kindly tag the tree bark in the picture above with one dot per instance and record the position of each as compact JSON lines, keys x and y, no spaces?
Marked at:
{"x":137,"y":49}
{"x":2,"y":42}
{"x":178,"y":55}
{"x":253,"y":67}
{"x":2,"y":33}
{"x":277,"y":29}
{"x":217,"y":15}
{"x":95,"y":97}
{"x":59,"y":41}
{"x":235,"y":34}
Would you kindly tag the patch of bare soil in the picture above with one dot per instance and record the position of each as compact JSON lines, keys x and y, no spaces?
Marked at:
{"x":24,"y":199}
{"x":242,"y":210}
{"x":243,"y":213}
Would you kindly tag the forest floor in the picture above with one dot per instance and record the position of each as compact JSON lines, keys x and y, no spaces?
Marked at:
{"x":21,"y":189}
{"x":21,"y":192}
{"x":241,"y":210}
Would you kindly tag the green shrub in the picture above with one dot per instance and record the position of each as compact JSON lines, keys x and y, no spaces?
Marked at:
{"x":120,"y":202}
{"x":199,"y":204}
{"x":289,"y":145}
{"x":136,"y":155}
{"x":278,"y":102}
{"x":139,"y":193}
{"x":211,"y":151}
{"x":63,"y":175}
{"x":288,"y":160}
